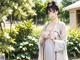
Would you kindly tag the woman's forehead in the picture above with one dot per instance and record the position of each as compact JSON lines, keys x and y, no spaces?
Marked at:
{"x":51,"y":10}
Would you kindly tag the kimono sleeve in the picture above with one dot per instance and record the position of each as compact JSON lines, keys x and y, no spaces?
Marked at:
{"x":41,"y":46}
{"x":60,"y":45}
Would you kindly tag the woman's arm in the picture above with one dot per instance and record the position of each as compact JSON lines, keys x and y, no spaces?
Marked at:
{"x":44,"y":35}
{"x":61,"y":44}
{"x":41,"y":39}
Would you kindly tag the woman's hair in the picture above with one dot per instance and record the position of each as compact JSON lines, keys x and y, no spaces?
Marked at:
{"x":52,"y":6}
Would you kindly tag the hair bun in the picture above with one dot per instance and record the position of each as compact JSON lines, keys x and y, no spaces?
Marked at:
{"x":53,"y":3}
{"x":49,"y":4}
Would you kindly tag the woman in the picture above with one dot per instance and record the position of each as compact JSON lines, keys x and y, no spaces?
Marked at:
{"x":52,"y":41}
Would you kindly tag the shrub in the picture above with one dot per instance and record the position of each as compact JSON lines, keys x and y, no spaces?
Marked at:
{"x":6,"y":42}
{"x":26,"y":44}
{"x":74,"y":43}
{"x":36,"y":31}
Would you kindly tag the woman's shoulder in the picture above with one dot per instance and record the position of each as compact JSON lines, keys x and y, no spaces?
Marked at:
{"x":45,"y":26}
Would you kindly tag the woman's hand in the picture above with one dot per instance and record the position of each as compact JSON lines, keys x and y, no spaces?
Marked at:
{"x":46,"y":35}
{"x":54,"y":35}
{"x":42,"y":38}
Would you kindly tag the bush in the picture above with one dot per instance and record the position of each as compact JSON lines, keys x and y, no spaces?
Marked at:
{"x":74,"y":43}
{"x":6,"y":42}
{"x":26,"y":44}
{"x":36,"y":31}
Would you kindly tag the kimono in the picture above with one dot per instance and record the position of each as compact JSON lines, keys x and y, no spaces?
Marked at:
{"x":57,"y":49}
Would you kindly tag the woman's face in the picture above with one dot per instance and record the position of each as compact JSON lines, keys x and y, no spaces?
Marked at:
{"x":53,"y":14}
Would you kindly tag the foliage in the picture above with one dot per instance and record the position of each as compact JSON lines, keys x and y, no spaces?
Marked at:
{"x":26,"y":44}
{"x":36,"y":31}
{"x":40,"y":11}
{"x":74,"y":43}
{"x":6,"y":42}
{"x":64,"y":15}
{"x":15,"y":10}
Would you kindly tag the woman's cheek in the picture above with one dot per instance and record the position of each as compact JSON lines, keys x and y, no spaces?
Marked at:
{"x":51,"y":16}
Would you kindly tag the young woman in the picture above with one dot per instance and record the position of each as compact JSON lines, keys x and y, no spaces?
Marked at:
{"x":52,"y":41}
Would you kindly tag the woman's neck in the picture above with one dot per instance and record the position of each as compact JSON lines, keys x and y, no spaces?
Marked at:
{"x":54,"y":21}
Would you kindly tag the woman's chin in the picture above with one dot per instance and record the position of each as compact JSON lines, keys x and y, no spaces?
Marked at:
{"x":52,"y":19}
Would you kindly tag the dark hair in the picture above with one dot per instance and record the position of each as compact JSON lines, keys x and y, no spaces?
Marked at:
{"x":52,"y":6}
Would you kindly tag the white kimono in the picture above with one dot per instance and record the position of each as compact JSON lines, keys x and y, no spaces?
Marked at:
{"x":54,"y":50}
